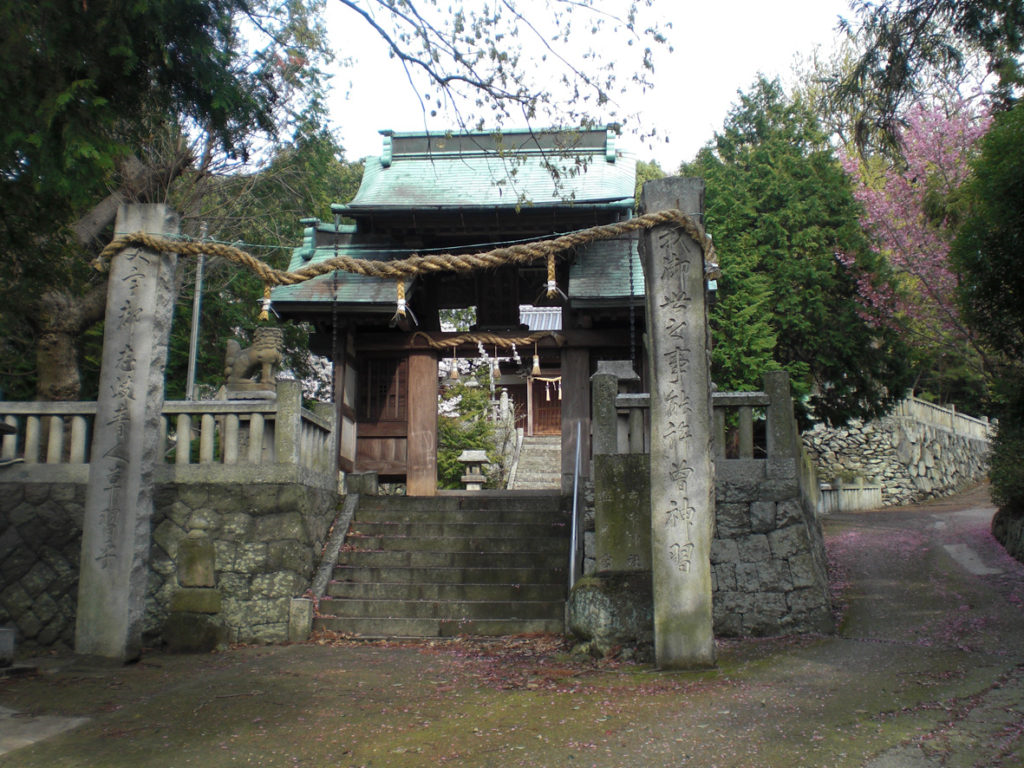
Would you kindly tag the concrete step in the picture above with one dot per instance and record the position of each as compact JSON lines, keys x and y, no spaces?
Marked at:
{"x":398,"y":627}
{"x":453,"y":500}
{"x":441,"y":609}
{"x":544,"y":470}
{"x":537,"y":482}
{"x":482,"y":563}
{"x":436,"y":530}
{"x":534,"y":508}
{"x":428,"y":559}
{"x":539,"y":465}
{"x":440,"y":576}
{"x":478,"y":544}
{"x":543,"y":467}
{"x":498,"y":592}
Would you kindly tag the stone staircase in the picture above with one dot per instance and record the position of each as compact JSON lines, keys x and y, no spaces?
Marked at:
{"x":484,"y":563}
{"x":539,"y":465}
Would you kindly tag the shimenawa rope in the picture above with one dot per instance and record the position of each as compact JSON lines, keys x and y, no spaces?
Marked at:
{"x":520,"y":253}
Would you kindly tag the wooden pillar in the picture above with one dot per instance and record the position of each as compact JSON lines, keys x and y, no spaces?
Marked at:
{"x":575,"y":410}
{"x":114,"y":571}
{"x":529,"y":406}
{"x":345,"y":383}
{"x":682,"y":473}
{"x":421,"y":447}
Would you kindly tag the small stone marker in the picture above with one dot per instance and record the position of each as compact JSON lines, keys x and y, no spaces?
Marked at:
{"x":119,"y":500}
{"x":682,"y":474}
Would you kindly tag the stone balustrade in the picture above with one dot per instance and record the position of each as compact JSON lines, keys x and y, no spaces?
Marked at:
{"x":924,"y":412}
{"x":254,"y":477}
{"x":203,"y":433}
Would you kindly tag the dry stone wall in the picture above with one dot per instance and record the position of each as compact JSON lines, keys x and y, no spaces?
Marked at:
{"x":911,"y":460}
{"x":266,"y":538}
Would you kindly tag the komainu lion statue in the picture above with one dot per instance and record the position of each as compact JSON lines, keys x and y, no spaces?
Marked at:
{"x":240,"y":365}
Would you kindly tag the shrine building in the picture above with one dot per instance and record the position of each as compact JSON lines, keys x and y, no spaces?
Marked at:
{"x":459,"y":194}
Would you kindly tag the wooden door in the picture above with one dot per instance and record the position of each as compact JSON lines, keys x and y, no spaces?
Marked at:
{"x":547,"y":407}
{"x":383,"y":417}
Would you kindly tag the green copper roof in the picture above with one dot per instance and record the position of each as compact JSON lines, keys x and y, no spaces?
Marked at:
{"x":485,"y":170}
{"x":342,"y":287}
{"x":346,"y":289}
{"x":601,"y":273}
{"x":466,"y":175}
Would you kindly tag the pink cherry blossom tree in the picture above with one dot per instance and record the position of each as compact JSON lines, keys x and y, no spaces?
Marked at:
{"x":911,"y":213}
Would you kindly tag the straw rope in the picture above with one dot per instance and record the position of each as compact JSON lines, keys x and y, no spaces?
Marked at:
{"x":398,"y":269}
{"x":487,"y":338}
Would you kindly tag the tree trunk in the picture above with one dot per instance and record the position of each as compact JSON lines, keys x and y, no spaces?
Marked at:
{"x":61,"y":319}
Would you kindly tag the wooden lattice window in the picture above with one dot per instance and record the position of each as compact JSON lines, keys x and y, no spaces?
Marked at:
{"x":384,"y":394}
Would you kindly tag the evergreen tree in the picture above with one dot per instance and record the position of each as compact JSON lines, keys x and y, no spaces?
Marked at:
{"x":987,"y":253}
{"x":794,"y":260}
{"x":906,"y":46}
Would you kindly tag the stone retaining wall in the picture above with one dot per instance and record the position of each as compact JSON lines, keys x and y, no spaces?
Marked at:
{"x":911,"y":460}
{"x":40,"y":547}
{"x":769,"y":575}
{"x":768,"y":569}
{"x":267,"y":537}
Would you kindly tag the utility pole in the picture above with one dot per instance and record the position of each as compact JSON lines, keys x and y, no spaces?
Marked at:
{"x":197,"y":298}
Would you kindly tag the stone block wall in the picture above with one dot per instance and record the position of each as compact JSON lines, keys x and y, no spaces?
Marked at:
{"x":911,"y":460}
{"x":40,"y":547}
{"x":768,"y":569}
{"x":267,"y":539}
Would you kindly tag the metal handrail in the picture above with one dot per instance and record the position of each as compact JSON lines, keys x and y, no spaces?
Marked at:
{"x":574,"y":548}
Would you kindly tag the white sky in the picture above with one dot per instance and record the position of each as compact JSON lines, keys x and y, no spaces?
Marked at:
{"x":720,"y":47}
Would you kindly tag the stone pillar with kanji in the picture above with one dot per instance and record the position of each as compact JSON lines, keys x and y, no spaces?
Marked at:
{"x":114,"y":568}
{"x":682,"y":473}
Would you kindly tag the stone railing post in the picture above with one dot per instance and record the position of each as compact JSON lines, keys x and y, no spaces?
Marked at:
{"x":604,"y":387}
{"x":288,"y":423}
{"x":622,"y":503}
{"x":327,"y":452}
{"x":682,"y":474}
{"x":782,"y":437}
